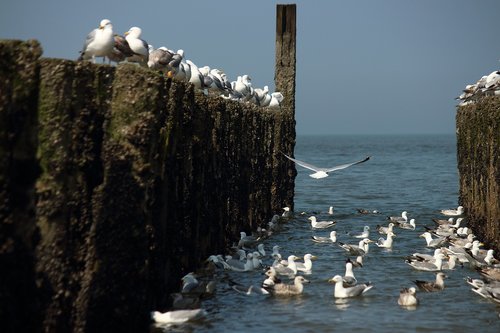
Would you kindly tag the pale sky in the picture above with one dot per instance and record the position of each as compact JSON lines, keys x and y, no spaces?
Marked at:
{"x":363,"y":66}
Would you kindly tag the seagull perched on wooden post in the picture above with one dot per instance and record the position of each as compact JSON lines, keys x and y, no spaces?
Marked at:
{"x":323,"y":172}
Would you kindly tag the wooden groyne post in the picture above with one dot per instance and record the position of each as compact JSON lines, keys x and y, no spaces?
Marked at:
{"x":116,"y":181}
{"x":478,"y":158}
{"x":284,"y":80}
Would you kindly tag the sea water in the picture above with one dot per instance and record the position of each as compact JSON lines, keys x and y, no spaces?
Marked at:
{"x":416,"y":173}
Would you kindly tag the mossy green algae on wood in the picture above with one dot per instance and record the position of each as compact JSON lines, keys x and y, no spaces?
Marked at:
{"x":478,"y":153}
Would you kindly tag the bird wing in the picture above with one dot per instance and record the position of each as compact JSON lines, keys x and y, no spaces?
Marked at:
{"x":304,"y":164}
{"x":343,"y":166}
{"x":90,"y":38}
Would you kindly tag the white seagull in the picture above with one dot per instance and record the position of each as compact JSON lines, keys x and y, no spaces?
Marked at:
{"x":177,"y":316}
{"x":342,"y":292}
{"x":407,"y":297}
{"x":357,"y":250}
{"x":364,"y":234}
{"x":99,"y":42}
{"x":320,"y":224}
{"x":453,"y":212}
{"x":321,"y":239}
{"x":323,"y":172}
{"x":138,"y":45}
{"x":387,"y":243}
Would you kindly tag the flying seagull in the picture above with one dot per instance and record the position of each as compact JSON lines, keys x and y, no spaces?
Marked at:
{"x":323,"y":172}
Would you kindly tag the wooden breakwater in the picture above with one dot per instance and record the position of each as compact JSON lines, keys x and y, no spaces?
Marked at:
{"x":478,"y":153}
{"x":114,"y":182}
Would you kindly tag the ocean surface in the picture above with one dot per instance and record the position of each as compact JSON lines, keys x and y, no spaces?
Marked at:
{"x":416,"y":173}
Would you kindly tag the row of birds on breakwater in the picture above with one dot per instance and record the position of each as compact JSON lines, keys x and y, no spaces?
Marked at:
{"x":487,"y":85}
{"x":103,"y":42}
{"x":449,"y":239}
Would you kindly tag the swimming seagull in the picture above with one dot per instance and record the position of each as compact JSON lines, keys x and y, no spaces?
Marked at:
{"x":453,"y":212}
{"x":323,"y":172}
{"x":402,"y":218}
{"x":428,"y":266}
{"x":434,"y":242}
{"x":407,"y":297}
{"x":385,"y":230}
{"x":430,"y":286}
{"x":386,"y":243}
{"x":177,"y":316}
{"x":357,"y":250}
{"x":341,"y":292}
{"x":320,"y":224}
{"x":364,"y":234}
{"x":283,"y":289}
{"x":408,"y":225}
{"x":290,"y":269}
{"x":306,"y":266}
{"x":320,"y":239}
{"x":349,"y":279}
{"x":99,"y":42}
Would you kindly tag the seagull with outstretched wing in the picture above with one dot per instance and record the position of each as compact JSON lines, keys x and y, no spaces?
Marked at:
{"x":323,"y":172}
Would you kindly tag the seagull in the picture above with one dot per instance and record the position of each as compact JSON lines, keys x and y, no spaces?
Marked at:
{"x":271,"y":279}
{"x":138,"y":45}
{"x":323,"y":172}
{"x":290,"y":269}
{"x":177,"y":316}
{"x":433,"y":242}
{"x":423,"y":257}
{"x":358,"y":263}
{"x":331,"y":239}
{"x":240,"y":266}
{"x":408,"y":225}
{"x":306,"y":266}
{"x":385,"y":230}
{"x":276,"y":99}
{"x":407,"y":297}
{"x":428,"y":266}
{"x":321,"y":224}
{"x":430,"y":286}
{"x":341,"y":292}
{"x":356,"y":250}
{"x":364,"y":234}
{"x":366,"y":211}
{"x":349,"y":279}
{"x":402,"y":218}
{"x":453,"y":212}
{"x":121,"y":49}
{"x":283,"y":289}
{"x":287,"y":213}
{"x":99,"y":42}
{"x":159,"y":58}
{"x":386,"y":243}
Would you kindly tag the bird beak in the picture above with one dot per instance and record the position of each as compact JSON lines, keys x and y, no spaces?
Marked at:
{"x":170,"y":74}
{"x":306,"y":281}
{"x":331,"y":280}
{"x":101,"y":27}
{"x":126,"y":33}
{"x":314,"y":258}
{"x":421,"y":236}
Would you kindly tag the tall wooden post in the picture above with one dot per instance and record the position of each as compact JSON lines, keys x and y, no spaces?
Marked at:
{"x":284,"y":173}
{"x":284,"y":76}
